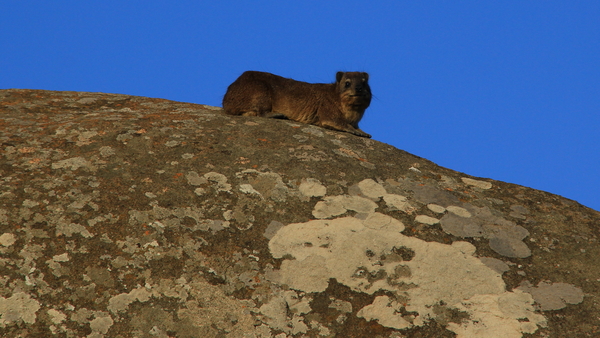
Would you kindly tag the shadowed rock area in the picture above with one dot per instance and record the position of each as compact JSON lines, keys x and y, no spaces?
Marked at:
{"x":124,"y":216}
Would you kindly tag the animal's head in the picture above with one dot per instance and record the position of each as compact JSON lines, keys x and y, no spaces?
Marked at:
{"x":354,"y":89}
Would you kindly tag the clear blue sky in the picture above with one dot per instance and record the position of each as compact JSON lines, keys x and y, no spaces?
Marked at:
{"x":508,"y":90}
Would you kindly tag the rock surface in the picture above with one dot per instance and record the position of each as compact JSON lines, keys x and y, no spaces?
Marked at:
{"x":126,"y":216}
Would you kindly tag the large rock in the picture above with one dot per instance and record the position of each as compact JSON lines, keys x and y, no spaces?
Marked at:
{"x":126,"y":216}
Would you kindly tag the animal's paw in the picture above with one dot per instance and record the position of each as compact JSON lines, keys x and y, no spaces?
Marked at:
{"x":360,"y":133}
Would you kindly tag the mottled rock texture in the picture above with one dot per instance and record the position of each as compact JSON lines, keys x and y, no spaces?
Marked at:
{"x":125,"y":216}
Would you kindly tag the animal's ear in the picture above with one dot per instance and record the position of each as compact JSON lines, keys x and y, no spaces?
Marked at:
{"x":366,"y":75}
{"x":339,"y":76}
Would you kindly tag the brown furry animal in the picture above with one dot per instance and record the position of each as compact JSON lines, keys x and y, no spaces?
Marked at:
{"x":338,"y":106}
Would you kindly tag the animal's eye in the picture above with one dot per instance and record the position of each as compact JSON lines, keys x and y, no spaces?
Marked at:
{"x":348,"y":84}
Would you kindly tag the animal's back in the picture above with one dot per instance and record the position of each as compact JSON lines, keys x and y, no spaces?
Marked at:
{"x":264,"y":94}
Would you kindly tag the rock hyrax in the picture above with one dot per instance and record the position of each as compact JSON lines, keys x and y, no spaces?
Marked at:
{"x":338,"y":106}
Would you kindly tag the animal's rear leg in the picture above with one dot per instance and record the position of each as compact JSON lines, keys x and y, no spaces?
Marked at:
{"x":274,"y":115}
{"x":260,"y":105}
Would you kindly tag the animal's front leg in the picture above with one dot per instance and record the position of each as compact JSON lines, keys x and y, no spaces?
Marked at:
{"x":347,"y":128}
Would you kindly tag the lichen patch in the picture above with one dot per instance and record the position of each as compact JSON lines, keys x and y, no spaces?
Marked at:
{"x":74,"y":163}
{"x":7,"y":239}
{"x":397,"y":202}
{"x":477,"y":183}
{"x":510,"y":315}
{"x":311,"y":187}
{"x":426,"y":219}
{"x":371,"y":189}
{"x":505,"y":237}
{"x":553,"y":296}
{"x":337,"y":205}
{"x":284,"y":312}
{"x":354,"y":252}
{"x":18,"y":307}
{"x":385,"y":311}
{"x":120,"y":302}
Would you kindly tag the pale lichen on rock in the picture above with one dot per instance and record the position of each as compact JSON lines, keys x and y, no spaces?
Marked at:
{"x":18,"y":307}
{"x":477,"y":183}
{"x":355,"y":255}
{"x":426,"y":219}
{"x":7,"y":239}
{"x":312,"y":188}
{"x":553,"y":296}
{"x":505,"y":237}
